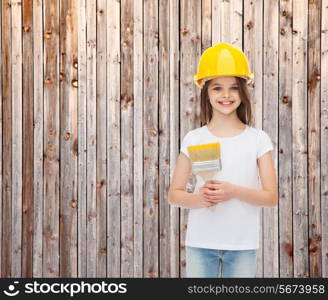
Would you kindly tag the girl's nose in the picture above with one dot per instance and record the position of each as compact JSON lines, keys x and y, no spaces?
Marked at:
{"x":226,"y":93}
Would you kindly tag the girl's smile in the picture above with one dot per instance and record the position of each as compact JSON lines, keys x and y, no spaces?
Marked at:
{"x":223,"y":94}
{"x":226,"y":103}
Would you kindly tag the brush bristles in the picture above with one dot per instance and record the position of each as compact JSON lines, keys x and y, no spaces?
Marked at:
{"x":204,"y":152}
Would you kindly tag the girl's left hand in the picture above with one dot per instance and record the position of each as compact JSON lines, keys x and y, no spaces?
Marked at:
{"x":218,"y":191}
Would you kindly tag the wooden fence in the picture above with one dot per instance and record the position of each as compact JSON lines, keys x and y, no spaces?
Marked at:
{"x":96,"y":96}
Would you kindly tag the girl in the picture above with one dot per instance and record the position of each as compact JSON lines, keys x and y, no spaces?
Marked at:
{"x":223,"y":242}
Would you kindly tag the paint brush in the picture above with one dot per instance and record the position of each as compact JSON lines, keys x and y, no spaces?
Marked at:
{"x":206,"y":161}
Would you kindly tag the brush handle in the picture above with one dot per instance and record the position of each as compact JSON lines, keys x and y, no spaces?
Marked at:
{"x":207,"y":175}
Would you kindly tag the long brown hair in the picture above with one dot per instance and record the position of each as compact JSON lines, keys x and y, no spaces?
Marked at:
{"x":244,"y":111}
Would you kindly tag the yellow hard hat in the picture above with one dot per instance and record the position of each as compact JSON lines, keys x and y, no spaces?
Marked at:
{"x":222,"y":60}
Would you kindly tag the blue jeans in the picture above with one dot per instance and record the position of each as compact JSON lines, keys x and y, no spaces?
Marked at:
{"x":211,"y":263}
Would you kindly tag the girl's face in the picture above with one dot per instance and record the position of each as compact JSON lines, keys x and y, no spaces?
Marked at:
{"x":223,"y":93}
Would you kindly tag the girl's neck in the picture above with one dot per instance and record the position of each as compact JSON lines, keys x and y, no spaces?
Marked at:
{"x":231,"y":122}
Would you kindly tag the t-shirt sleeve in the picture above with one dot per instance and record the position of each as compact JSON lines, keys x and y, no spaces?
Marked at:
{"x":264,"y":144}
{"x":186,"y":141}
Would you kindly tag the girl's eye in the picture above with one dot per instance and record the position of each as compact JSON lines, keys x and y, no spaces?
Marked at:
{"x":234,"y":88}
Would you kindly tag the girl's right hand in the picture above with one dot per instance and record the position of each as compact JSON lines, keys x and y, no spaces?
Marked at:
{"x":202,"y":201}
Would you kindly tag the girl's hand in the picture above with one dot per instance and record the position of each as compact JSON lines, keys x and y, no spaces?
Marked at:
{"x":202,"y":202}
{"x":218,"y":191}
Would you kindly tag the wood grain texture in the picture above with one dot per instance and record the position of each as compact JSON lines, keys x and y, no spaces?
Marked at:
{"x":6,"y":140}
{"x":324,"y":136}
{"x":68,"y":139}
{"x":174,"y":132}
{"x":38,"y":123}
{"x":17,"y":137}
{"x":253,"y":41}
{"x":96,"y":97}
{"x":51,"y":134}
{"x":101,"y":139}
{"x":27,"y":136}
{"x":91,"y":119}
{"x":82,"y":140}
{"x":190,"y":50}
{"x":270,"y":117}
{"x":285,"y":141}
{"x":314,"y":165}
{"x":113,"y":141}
{"x":299,"y":133}
{"x":164,"y":139}
{"x":126,"y":108}
{"x":151,"y":132}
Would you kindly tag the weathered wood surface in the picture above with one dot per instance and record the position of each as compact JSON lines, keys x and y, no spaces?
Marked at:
{"x":91,"y":142}
{"x":114,"y":144}
{"x":190,"y":50}
{"x":285,"y":141}
{"x":270,"y":117}
{"x":95,"y":99}
{"x":314,"y":164}
{"x":68,"y":139}
{"x":17,"y":137}
{"x":38,"y":146}
{"x":51,"y":134}
{"x":299,"y":133}
{"x":324,"y":136}
{"x":253,"y":41}
{"x":27,"y":136}
{"x":126,"y":137}
{"x":6,"y":61}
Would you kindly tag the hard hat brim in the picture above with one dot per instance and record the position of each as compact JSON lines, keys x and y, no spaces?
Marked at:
{"x":201,"y":81}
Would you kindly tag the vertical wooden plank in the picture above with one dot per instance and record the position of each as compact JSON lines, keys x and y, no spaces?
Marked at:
{"x":253,"y":44}
{"x":68,"y":139}
{"x":6,"y":139}
{"x":138,"y":138}
{"x":27,"y":192}
{"x":233,"y":22}
{"x":225,"y":28}
{"x":51,"y":140}
{"x":315,"y":236}
{"x":91,"y":139}
{"x":206,"y":24}
{"x":216,"y":22}
{"x":270,"y":119}
{"x":38,"y":138}
{"x":101,"y":139}
{"x":299,"y":116}
{"x":127,"y":103}
{"x":164,"y":142}
{"x":17,"y":137}
{"x":324,"y":136}
{"x":151,"y":197}
{"x":113,"y":141}
{"x":253,"y":48}
{"x":227,"y":18}
{"x":285,"y":141}
{"x":190,"y":21}
{"x":82,"y":140}
{"x":174,"y":131}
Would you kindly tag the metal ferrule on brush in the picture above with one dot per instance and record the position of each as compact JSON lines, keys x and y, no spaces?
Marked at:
{"x":208,"y":165}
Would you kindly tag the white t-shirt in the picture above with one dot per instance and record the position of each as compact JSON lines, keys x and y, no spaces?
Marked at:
{"x":234,"y":224}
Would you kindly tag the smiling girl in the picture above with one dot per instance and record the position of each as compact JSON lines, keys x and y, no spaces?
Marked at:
{"x":223,"y":242}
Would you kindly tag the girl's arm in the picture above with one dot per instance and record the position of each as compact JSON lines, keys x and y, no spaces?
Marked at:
{"x":268,"y":196}
{"x":218,"y":191}
{"x":177,"y":194}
